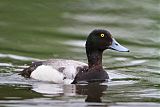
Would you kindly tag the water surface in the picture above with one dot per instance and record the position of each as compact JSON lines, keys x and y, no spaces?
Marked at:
{"x":36,"y":30}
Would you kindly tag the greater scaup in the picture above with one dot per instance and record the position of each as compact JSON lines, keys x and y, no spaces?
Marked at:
{"x":70,"y":71}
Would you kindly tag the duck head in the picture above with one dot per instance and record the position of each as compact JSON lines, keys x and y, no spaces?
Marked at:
{"x":97,"y":42}
{"x":100,"y":40}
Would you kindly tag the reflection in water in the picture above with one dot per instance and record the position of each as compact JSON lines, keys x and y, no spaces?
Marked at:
{"x":94,"y":91}
{"x":58,"y":28}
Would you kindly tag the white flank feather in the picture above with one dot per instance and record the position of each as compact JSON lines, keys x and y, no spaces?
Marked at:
{"x":47,"y":73}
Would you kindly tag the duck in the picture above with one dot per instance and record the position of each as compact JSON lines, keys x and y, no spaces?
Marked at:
{"x":66,"y":71}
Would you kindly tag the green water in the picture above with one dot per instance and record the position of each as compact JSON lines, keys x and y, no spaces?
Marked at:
{"x":43,"y":29}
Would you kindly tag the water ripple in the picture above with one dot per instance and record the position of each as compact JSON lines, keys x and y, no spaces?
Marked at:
{"x":17,"y":57}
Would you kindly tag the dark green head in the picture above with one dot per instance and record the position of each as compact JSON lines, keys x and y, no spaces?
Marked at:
{"x":101,"y":40}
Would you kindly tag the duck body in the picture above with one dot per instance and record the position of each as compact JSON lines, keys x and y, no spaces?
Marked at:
{"x":70,"y":71}
{"x":55,"y":70}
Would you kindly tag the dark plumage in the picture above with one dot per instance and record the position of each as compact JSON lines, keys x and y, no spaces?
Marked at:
{"x":97,"y":41}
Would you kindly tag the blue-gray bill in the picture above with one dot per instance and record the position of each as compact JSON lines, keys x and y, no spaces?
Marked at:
{"x":116,"y":46}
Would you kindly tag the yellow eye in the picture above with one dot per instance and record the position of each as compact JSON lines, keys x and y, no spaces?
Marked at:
{"x":102,"y":35}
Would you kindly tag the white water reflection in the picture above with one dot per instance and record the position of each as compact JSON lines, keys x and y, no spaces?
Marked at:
{"x":49,"y":89}
{"x":120,"y":59}
{"x":101,"y":18}
{"x":153,"y":93}
{"x":77,"y":30}
{"x":136,"y":104}
{"x":6,"y":65}
{"x":135,"y":62}
{"x":17,"y":57}
{"x":78,"y":43}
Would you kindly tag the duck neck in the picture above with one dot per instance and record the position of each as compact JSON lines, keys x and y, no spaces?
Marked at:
{"x":94,"y":58}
